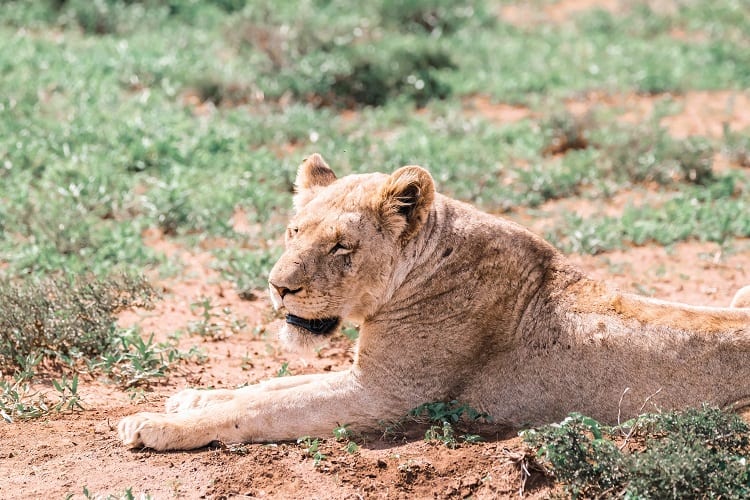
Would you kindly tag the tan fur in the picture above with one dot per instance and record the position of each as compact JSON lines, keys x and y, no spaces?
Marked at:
{"x":455,"y":304}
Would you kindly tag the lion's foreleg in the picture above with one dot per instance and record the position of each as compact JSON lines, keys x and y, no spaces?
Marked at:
{"x":200,"y":398}
{"x":313,"y":408}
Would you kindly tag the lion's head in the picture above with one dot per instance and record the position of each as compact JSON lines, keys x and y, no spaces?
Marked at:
{"x":344,"y":244}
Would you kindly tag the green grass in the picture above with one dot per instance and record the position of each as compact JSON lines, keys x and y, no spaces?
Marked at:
{"x":718,"y":212}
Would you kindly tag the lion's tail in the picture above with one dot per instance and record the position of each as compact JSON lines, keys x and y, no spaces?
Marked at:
{"x":742,"y":298}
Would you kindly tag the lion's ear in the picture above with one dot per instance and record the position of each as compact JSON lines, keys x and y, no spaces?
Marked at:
{"x":313,"y":173}
{"x":405,"y":200}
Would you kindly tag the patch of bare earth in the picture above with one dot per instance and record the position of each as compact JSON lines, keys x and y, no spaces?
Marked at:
{"x":524,"y":14}
{"x":697,"y":112}
{"x":498,"y":112}
{"x":697,"y":273}
{"x":701,"y":112}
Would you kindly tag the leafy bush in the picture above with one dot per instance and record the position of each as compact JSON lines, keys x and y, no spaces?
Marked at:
{"x":696,"y":453}
{"x":350,"y":63}
{"x":436,"y":18}
{"x":648,"y":153}
{"x":564,"y":131}
{"x":737,"y":147}
{"x":116,"y":17}
{"x":374,"y":80}
{"x":61,"y":319}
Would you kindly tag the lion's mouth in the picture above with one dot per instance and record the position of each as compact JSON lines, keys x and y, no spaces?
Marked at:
{"x":314,"y":326}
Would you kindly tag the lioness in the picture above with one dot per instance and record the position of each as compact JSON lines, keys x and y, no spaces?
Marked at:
{"x":457,"y":304}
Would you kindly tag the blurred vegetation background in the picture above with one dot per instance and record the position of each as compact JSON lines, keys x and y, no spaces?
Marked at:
{"x":123,"y":115}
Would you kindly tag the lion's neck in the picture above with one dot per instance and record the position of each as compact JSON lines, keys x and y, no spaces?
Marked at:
{"x":470,"y":269}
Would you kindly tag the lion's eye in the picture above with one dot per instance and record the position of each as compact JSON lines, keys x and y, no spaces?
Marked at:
{"x":339,"y":249}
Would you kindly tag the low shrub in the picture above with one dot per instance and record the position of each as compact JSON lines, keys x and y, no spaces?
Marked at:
{"x":60,"y":319}
{"x":695,"y":453}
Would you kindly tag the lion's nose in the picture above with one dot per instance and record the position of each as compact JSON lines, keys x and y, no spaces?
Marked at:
{"x":283,"y":291}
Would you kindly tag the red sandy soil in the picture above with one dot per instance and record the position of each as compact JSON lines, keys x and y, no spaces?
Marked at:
{"x":703,"y":112}
{"x":561,"y":11}
{"x":532,"y":13}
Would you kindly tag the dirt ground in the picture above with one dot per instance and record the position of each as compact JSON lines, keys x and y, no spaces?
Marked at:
{"x":63,"y":454}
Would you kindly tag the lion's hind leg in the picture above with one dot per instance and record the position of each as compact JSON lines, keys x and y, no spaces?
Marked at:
{"x":742,"y":298}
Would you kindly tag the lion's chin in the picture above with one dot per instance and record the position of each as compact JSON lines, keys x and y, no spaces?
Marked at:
{"x":297,"y":338}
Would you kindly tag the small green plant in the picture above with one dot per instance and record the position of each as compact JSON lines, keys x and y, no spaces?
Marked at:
{"x":133,"y":361}
{"x":342,"y":434}
{"x":19,"y":401}
{"x":444,"y":418}
{"x":696,"y":453}
{"x":213,"y":325}
{"x":126,"y":495}
{"x":311,"y":448}
{"x":444,"y":433}
{"x":284,"y":370}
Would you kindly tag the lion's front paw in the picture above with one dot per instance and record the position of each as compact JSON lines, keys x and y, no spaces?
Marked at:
{"x":144,"y":430}
{"x":192,"y":398}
